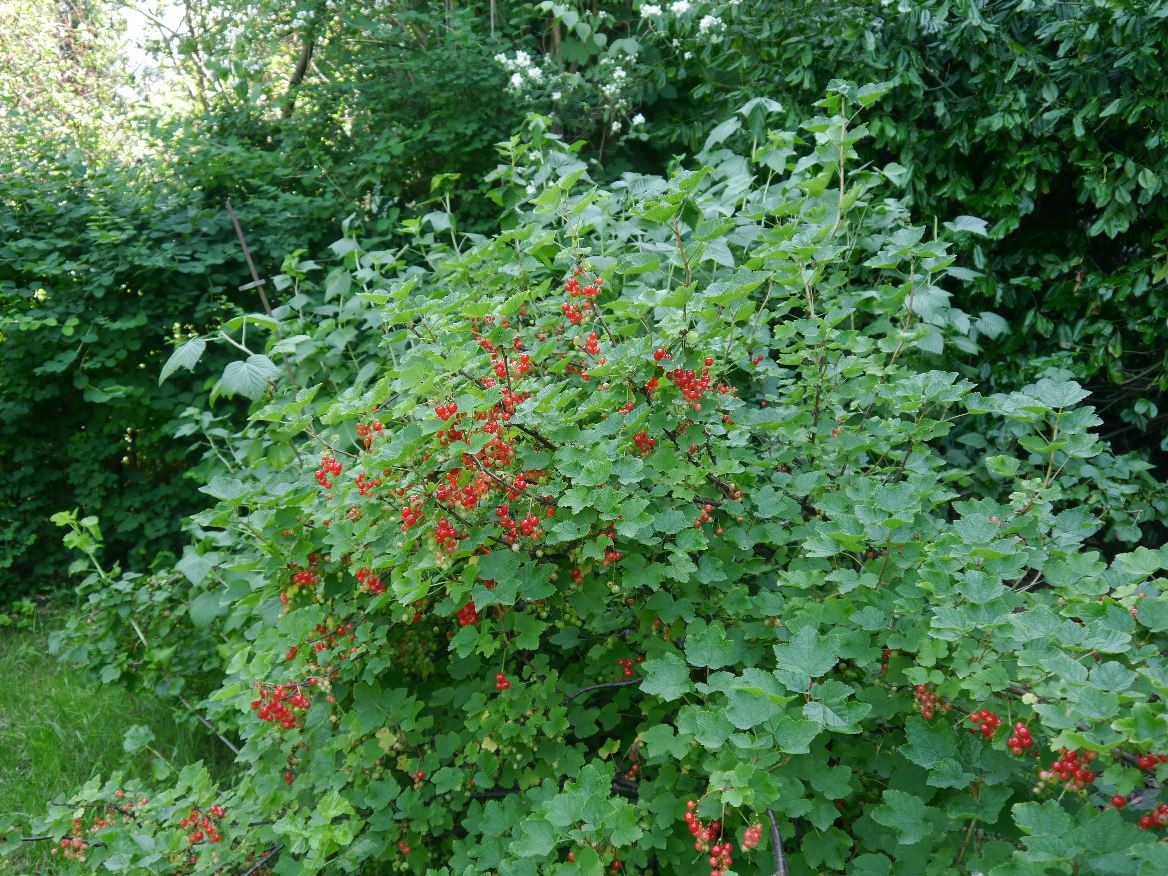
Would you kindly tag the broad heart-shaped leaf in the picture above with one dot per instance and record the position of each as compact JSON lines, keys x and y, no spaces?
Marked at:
{"x":709,"y":647}
{"x":137,"y":738}
{"x":666,"y":677}
{"x":195,"y":566}
{"x":248,"y":378}
{"x":904,"y":813}
{"x":805,"y":657}
{"x":186,"y":356}
{"x":535,"y":838}
{"x":1057,"y":393}
{"x":204,"y":608}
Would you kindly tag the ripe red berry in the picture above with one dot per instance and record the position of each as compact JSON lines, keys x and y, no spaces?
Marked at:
{"x":1118,"y":801}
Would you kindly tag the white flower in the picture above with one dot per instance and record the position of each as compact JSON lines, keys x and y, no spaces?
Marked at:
{"x":556,"y":95}
{"x":534,"y":73}
{"x":523,"y":59}
{"x":680,"y":7}
{"x":688,"y":55}
{"x":650,"y":10}
{"x":638,"y":119}
{"x":530,"y":188}
{"x":619,"y":73}
{"x":517,"y":80}
{"x":616,"y":126}
{"x":501,"y":59}
{"x":708,"y":23}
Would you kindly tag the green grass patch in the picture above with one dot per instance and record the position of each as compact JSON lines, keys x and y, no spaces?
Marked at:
{"x":59,"y":728}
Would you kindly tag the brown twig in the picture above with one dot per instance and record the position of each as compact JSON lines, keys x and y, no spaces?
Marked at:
{"x":209,"y":725}
{"x":271,"y":853}
{"x":777,"y":846}
{"x":593,"y":687}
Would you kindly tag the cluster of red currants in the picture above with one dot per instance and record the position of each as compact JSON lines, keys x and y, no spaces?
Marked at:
{"x":626,"y":663}
{"x":1158,"y":818}
{"x":329,"y":466}
{"x":752,"y":836}
{"x":721,"y":857}
{"x":447,"y":536}
{"x":1020,"y":741}
{"x":986,"y":722}
{"x":366,"y":485}
{"x":1071,"y":769}
{"x":501,"y":682}
{"x":279,"y":705}
{"x":368,"y":432}
{"x":370,"y":581}
{"x":203,"y":825}
{"x":692,"y":385}
{"x":704,"y":517}
{"x":644,"y":443}
{"x":468,"y":615}
{"x":928,"y":703}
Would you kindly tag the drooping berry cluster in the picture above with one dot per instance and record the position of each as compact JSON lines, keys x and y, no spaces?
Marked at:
{"x":202,"y":824}
{"x":501,"y":682}
{"x":447,"y":536}
{"x":370,"y":581}
{"x":468,"y":615}
{"x":626,"y":664}
{"x":307,"y":577}
{"x":368,"y":432}
{"x":644,"y":443}
{"x":692,"y":385}
{"x":327,"y":640}
{"x":329,"y":467}
{"x":1070,"y":770}
{"x":1158,"y":818}
{"x":928,"y":703}
{"x":366,"y":485}
{"x":705,"y":840}
{"x":985,"y":722}
{"x":281,"y":705}
{"x":752,"y":836}
{"x":1020,"y":741}
{"x":411,"y":514}
{"x":1151,"y":761}
{"x":704,"y":517}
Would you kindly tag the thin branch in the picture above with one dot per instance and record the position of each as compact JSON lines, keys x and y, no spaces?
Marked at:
{"x":209,"y":725}
{"x":777,"y":846}
{"x":593,"y":687}
{"x":275,"y":850}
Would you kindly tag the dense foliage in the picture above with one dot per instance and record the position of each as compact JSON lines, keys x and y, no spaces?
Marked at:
{"x":1041,"y":118}
{"x":657,"y":496}
{"x":651,"y":478}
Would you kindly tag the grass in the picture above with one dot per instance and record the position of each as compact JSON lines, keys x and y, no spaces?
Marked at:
{"x":59,"y":728}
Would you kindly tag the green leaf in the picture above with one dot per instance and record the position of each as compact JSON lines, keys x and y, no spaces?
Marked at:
{"x":968,"y":224}
{"x":666,"y":677}
{"x":248,"y":378}
{"x":709,"y":647}
{"x":805,"y":657}
{"x":535,"y":838}
{"x":138,"y":737}
{"x":904,"y":813}
{"x":186,"y":356}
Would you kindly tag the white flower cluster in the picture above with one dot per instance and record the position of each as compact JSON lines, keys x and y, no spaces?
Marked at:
{"x":710,"y":23}
{"x":680,"y":7}
{"x":650,"y":10}
{"x":522,"y":68}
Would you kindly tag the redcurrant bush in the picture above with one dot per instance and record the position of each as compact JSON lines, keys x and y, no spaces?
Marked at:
{"x":684,"y":558}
